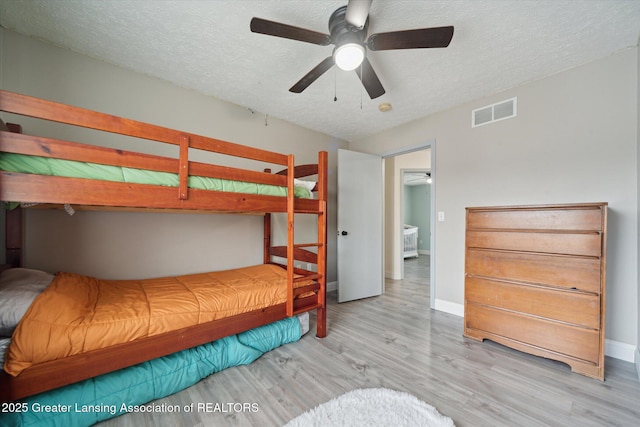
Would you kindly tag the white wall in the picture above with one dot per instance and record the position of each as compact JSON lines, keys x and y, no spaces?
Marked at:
{"x":417,"y":210}
{"x":575,"y":140}
{"x":133,"y":245}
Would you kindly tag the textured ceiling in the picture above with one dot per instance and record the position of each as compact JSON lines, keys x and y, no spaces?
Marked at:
{"x":207,"y":46}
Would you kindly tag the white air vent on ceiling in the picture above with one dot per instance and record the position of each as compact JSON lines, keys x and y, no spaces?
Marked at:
{"x":495,"y":112}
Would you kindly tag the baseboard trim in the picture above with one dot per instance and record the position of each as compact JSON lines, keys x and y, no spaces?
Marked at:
{"x":391,"y":275}
{"x":332,"y":286}
{"x":619,"y":350}
{"x":449,"y":307}
{"x":615,"y":349}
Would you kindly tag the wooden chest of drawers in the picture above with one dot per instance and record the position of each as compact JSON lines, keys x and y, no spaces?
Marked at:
{"x":535,"y":281}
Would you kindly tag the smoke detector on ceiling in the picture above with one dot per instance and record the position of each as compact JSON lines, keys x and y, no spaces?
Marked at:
{"x":384,"y":107}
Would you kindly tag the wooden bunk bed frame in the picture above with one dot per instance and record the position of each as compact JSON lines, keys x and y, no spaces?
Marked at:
{"x":94,"y":194}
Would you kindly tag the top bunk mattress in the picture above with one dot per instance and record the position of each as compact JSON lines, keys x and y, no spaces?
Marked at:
{"x":22,"y":163}
{"x":76,"y":314}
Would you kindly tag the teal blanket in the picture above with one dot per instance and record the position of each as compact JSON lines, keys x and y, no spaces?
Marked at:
{"x":129,"y":389}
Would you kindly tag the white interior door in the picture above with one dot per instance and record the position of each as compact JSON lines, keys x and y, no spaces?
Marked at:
{"x":360,"y":195}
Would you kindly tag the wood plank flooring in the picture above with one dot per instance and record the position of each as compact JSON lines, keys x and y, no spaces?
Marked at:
{"x":396,"y":341}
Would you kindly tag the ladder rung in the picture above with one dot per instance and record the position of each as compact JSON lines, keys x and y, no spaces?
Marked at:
{"x":305,"y":309}
{"x":309,"y":277}
{"x":307,"y":245}
{"x":305,"y":304}
{"x":306,"y":289}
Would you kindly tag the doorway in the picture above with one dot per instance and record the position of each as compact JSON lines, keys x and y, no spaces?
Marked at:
{"x":416,"y":227}
{"x":416,"y":214}
{"x":403,"y":165}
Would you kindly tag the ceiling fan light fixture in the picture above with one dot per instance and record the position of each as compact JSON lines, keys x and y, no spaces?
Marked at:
{"x":348,"y":56}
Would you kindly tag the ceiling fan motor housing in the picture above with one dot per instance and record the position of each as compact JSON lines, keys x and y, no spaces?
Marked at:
{"x":342,"y":32}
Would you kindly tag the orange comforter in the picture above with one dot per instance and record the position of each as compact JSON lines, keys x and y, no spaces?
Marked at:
{"x":77,"y":313}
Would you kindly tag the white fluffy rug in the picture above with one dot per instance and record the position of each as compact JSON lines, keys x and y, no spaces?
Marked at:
{"x":373,"y":407}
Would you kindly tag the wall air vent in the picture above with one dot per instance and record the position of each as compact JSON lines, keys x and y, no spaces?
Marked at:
{"x":495,"y":112}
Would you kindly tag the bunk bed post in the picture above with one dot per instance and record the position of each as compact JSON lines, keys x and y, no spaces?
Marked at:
{"x":13,"y":237}
{"x":321,"y":321}
{"x":267,"y":238}
{"x":13,"y":219}
{"x":290,"y":236}
{"x":267,"y":233}
{"x":183,"y":172}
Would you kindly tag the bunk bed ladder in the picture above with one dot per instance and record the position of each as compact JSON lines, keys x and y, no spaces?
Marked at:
{"x":296,"y":302}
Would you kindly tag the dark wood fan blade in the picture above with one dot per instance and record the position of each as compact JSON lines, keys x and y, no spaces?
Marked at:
{"x":357,"y":12}
{"x":312,"y":75}
{"x":285,"y":31}
{"x":411,"y":39}
{"x":370,"y":80}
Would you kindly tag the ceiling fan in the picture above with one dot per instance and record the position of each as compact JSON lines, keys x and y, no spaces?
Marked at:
{"x":348,"y":29}
{"x":418,"y":178}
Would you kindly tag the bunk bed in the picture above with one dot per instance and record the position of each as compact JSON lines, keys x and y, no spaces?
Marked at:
{"x":184,"y":186}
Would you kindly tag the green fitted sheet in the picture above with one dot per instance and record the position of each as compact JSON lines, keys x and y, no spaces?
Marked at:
{"x":11,"y":162}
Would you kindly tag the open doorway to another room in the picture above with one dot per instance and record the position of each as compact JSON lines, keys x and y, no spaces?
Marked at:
{"x":417,"y":224}
{"x":407,"y":220}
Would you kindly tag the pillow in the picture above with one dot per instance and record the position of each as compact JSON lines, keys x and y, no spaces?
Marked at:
{"x":18,"y":288}
{"x":309,"y":185}
{"x":4,"y":343}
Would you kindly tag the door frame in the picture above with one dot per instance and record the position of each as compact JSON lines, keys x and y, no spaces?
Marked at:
{"x":431,"y":144}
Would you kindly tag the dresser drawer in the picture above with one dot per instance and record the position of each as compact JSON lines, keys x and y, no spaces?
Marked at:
{"x":566,"y":306}
{"x":557,"y":337}
{"x":585,"y":219}
{"x":581,"y":273}
{"x":583,"y":244}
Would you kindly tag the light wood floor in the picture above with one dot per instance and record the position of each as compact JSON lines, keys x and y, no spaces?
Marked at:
{"x":396,"y":341}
